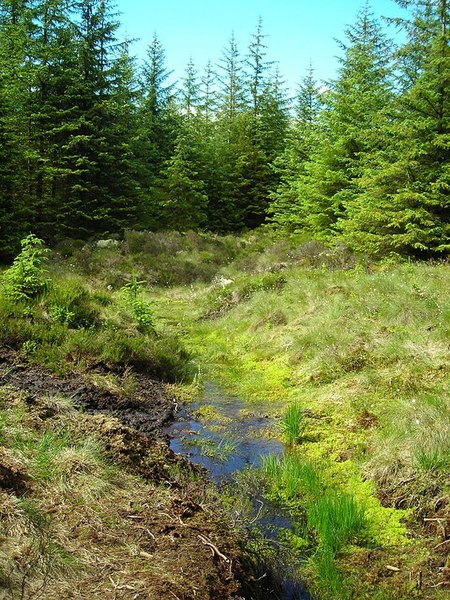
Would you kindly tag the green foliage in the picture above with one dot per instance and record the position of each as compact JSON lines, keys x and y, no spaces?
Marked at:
{"x":69,"y":302}
{"x":61,"y":314}
{"x":403,"y":203}
{"x":329,"y":581}
{"x":293,"y":477}
{"x":293,"y":424}
{"x":26,"y":278}
{"x":140,"y":309}
{"x":337,"y":519}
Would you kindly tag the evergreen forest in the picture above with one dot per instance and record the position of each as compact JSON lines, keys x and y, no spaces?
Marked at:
{"x":94,"y":142}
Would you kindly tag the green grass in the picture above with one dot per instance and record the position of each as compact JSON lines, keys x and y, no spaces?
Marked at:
{"x":74,"y":323}
{"x":293,"y":477}
{"x":293,"y":424}
{"x":363,"y":351}
{"x":329,"y":581}
{"x":337,"y":519}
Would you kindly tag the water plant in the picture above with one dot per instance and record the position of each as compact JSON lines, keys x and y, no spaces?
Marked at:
{"x":293,"y":424}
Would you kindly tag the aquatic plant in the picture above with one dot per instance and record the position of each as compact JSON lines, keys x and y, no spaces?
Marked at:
{"x":293,"y":424}
{"x":336,"y":518}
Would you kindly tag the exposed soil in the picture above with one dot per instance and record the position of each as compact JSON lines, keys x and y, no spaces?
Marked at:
{"x":150,"y":406}
{"x":182,"y":548}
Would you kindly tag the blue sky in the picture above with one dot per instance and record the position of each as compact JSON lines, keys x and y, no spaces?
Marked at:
{"x":299,"y":31}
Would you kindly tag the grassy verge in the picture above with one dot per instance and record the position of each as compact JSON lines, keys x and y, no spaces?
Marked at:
{"x":361,"y":355}
{"x":351,"y":361}
{"x":90,"y":508}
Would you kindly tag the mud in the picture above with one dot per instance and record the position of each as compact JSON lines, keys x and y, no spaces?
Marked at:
{"x":186,"y":550}
{"x":149,"y":408}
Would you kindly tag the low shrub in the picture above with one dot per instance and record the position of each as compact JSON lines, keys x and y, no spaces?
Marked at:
{"x":132,"y":293}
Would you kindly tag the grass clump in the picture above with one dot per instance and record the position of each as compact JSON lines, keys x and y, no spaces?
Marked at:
{"x":292,"y":477}
{"x":337,"y":519}
{"x":293,"y":424}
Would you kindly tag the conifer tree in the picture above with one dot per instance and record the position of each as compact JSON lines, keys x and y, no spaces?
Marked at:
{"x":353,"y":120}
{"x":16,"y":27}
{"x":404,"y":207}
{"x":261,"y":132}
{"x":302,"y":137}
{"x":232,"y":97}
{"x":184,"y":203}
{"x":258,"y":67}
{"x":99,"y":194}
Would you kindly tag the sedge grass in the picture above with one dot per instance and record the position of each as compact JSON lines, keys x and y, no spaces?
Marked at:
{"x":293,"y":424}
{"x":336,"y":518}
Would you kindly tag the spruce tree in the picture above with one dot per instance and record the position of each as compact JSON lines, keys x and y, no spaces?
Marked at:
{"x":184,"y":201}
{"x":100,"y":196}
{"x":404,"y":207}
{"x":302,"y":138}
{"x":352,"y":121}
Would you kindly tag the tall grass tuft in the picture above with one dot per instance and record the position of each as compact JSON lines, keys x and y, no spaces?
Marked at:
{"x":336,"y":519}
{"x":293,"y":424}
{"x":293,"y":476}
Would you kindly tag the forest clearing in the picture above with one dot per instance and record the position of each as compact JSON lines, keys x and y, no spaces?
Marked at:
{"x":343,"y":391}
{"x":224,"y":305}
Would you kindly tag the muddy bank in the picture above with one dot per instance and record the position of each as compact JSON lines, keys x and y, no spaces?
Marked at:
{"x":148,"y":408}
{"x":173,"y":541}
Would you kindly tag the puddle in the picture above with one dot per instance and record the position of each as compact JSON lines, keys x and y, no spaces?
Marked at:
{"x":230,"y":441}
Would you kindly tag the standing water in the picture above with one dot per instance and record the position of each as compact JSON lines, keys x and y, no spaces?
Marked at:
{"x":231,"y":441}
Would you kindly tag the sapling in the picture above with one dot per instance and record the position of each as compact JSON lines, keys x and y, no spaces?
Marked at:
{"x":26,"y":278}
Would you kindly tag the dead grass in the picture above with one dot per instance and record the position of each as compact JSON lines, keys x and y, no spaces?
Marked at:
{"x":104,"y":516}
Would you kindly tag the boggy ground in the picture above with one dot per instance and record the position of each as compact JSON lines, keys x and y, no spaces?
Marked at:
{"x":93,"y":504}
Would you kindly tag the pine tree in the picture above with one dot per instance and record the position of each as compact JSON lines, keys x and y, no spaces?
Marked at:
{"x":9,"y":213}
{"x":159,"y":121}
{"x":261,"y":131}
{"x":16,"y":28}
{"x":190,"y":91}
{"x":185,"y":203}
{"x":99,"y":194}
{"x":302,"y":137}
{"x":258,"y":68}
{"x":208,"y":93}
{"x":232,"y":97}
